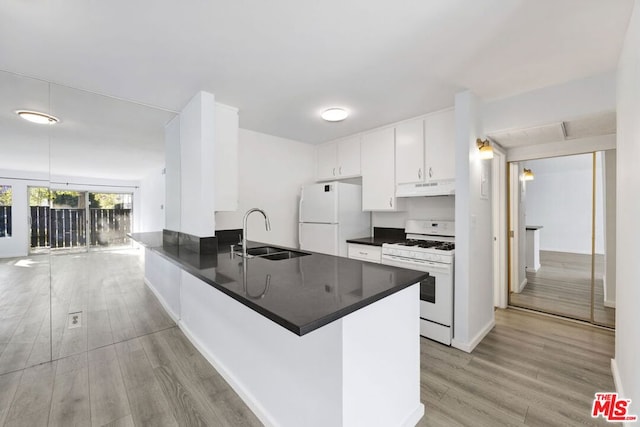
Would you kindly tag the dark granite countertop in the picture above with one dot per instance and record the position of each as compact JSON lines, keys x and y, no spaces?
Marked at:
{"x":301,"y":294}
{"x":381,"y":235}
{"x":374,"y":241}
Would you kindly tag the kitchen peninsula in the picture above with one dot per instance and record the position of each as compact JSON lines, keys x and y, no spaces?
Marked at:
{"x":313,"y":340}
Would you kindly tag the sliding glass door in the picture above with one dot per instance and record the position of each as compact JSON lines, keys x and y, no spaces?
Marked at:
{"x":110,"y":219}
{"x":69,"y":220}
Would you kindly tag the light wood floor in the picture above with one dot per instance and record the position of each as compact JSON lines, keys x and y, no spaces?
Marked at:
{"x":562,"y":286}
{"x":530,"y":370}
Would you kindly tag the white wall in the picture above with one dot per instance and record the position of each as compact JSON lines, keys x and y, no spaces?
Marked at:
{"x":559,"y":199}
{"x":18,"y":244}
{"x":626,"y":366}
{"x":197,"y":160}
{"x":439,"y":207}
{"x":172,"y":200}
{"x":271,"y":172}
{"x":152,"y":204}
{"x":474,"y":315}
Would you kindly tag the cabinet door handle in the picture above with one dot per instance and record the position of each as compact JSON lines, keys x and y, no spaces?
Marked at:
{"x":390,"y":202}
{"x":430,"y":172}
{"x":334,"y":171}
{"x":363,"y":253}
{"x":340,"y":170}
{"x":419,"y":173}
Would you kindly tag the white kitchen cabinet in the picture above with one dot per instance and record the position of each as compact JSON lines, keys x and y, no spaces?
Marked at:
{"x":365,"y":252}
{"x":439,"y":137}
{"x":349,"y":157}
{"x":425,"y":148}
{"x":327,"y":156}
{"x":378,"y":171}
{"x":410,"y":151}
{"x":226,"y":158}
{"x":339,"y":159}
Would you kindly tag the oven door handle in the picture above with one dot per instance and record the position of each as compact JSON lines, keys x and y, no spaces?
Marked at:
{"x":434,"y":267}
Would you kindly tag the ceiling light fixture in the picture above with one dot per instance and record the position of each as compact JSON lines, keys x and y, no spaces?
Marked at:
{"x":38,"y":117}
{"x":527,"y":174}
{"x":486,"y":150}
{"x":335,"y":114}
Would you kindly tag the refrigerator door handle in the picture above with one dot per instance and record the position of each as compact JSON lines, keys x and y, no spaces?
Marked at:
{"x":300,"y":206}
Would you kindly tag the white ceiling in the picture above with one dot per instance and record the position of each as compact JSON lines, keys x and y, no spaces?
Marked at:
{"x":282,"y":62}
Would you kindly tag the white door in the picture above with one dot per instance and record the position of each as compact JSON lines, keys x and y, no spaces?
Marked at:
{"x":319,"y":203}
{"x":321,"y":238}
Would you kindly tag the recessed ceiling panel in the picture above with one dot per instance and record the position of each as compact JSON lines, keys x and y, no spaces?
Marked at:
{"x":598,"y":124}
{"x":529,"y":136}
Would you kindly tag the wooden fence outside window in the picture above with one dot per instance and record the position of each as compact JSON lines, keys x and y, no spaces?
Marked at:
{"x":66,"y":228}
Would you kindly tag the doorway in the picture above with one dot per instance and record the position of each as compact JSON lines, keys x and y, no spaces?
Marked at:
{"x":562,"y":236}
{"x":70,"y":220}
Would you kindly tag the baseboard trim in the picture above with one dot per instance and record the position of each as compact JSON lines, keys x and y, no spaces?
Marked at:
{"x":414,"y":417}
{"x":617,"y":380}
{"x":244,"y":394}
{"x":616,"y":377}
{"x":163,"y":303}
{"x":468,"y":347}
{"x":523,"y":284}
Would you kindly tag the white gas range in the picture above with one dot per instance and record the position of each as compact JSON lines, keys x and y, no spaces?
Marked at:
{"x":430,"y":248}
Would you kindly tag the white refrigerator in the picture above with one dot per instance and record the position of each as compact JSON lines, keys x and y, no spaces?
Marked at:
{"x":331,"y":213}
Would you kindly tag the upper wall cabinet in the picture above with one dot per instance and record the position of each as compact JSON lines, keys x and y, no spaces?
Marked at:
{"x":439,"y":143}
{"x":425,"y":148}
{"x":226,"y":158}
{"x":339,"y":159}
{"x":378,"y":171}
{"x":410,"y":151}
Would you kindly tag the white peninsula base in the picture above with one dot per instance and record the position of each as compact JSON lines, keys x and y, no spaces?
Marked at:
{"x":360,"y":370}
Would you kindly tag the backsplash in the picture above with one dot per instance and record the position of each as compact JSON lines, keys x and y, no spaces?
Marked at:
{"x":439,"y":207}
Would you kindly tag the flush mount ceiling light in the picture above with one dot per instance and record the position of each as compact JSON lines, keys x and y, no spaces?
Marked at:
{"x":334,"y":114}
{"x":527,"y":174}
{"x":38,"y":117}
{"x":486,"y":150}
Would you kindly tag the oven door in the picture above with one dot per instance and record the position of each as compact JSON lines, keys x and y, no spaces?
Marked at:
{"x":436,"y":291}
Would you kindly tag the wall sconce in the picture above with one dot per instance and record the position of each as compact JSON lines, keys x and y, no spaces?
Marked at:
{"x":486,"y":150}
{"x":527,"y":175}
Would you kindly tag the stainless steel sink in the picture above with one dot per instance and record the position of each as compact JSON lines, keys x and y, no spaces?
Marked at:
{"x":284,"y":255}
{"x":273,"y":253}
{"x":264,"y":250}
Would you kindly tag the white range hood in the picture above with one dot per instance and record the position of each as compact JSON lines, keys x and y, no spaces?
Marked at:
{"x":445,"y":187}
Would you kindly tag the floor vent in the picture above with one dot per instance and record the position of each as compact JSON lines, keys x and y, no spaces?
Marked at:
{"x":74,"y":320}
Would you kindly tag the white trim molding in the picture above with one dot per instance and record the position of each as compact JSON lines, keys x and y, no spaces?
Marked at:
{"x":468,"y":347}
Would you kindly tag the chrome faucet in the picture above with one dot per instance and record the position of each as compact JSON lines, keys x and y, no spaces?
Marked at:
{"x":244,"y":228}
